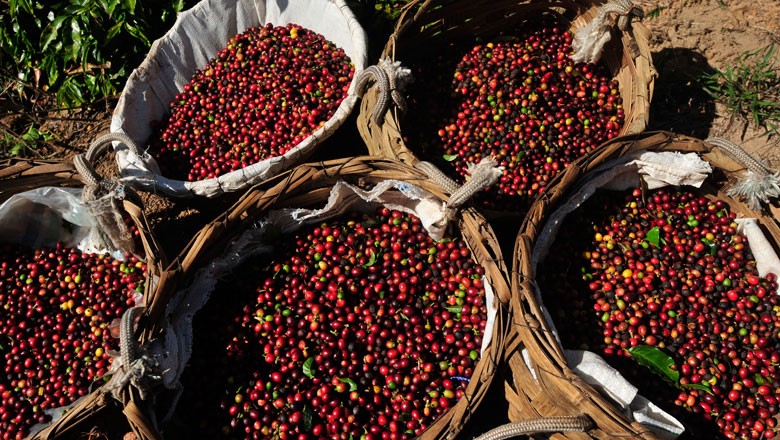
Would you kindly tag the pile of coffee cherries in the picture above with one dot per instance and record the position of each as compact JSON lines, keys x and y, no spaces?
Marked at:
{"x":522,"y":101}
{"x":263,"y":94}
{"x":666,"y":272}
{"x":58,"y":309}
{"x":361,"y":327}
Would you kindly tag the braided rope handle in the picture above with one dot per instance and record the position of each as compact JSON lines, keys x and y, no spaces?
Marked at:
{"x":589,"y":41}
{"x":390,"y":77}
{"x":758,"y":184}
{"x":483,"y":174}
{"x":435,"y":174}
{"x":134,"y":366}
{"x":103,"y":195}
{"x":579,"y":423}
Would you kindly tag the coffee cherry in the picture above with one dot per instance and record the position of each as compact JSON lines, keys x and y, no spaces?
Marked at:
{"x":57,"y":308}
{"x":521,"y":101}
{"x":265,"y":92}
{"x":667,"y":269}
{"x":399,"y":322}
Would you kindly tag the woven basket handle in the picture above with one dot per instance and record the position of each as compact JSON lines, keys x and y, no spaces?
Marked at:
{"x":483,"y":174}
{"x":102,"y":195}
{"x":589,"y":41}
{"x":578,"y":423}
{"x":758,"y":184}
{"x":391,"y":78}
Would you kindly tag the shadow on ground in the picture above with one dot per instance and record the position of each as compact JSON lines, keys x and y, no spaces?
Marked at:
{"x":680,"y":103}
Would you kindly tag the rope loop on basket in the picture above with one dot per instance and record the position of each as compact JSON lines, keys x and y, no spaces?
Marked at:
{"x":483,"y":174}
{"x":133,"y":366}
{"x":758,"y":184}
{"x":589,"y":41}
{"x":435,"y":174}
{"x":390,"y":77}
{"x":103,"y":195}
{"x":579,"y":423}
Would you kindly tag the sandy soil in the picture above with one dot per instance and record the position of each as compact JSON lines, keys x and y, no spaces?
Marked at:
{"x":695,"y":37}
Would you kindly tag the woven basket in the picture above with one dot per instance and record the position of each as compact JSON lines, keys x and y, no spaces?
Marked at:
{"x":563,"y":391}
{"x":96,"y":413}
{"x":197,"y":36}
{"x":309,"y":185}
{"x":21,"y":175}
{"x":425,"y":28}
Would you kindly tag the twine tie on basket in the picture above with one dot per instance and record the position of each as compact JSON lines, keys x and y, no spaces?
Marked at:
{"x":579,"y":423}
{"x":589,"y":41}
{"x":133,"y":366}
{"x":103,"y":196}
{"x":389,"y":76}
{"x":758,"y":184}
{"x":435,"y":174}
{"x":483,"y":174}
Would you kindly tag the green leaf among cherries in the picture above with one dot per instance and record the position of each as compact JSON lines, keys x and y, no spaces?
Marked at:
{"x":371,"y":260}
{"x":660,"y":363}
{"x":308,"y":369}
{"x":654,"y":236}
{"x":352,"y":385}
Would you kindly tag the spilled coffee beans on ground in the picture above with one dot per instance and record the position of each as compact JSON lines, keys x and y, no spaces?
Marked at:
{"x":665,"y":279}
{"x":361,"y":327}
{"x":267,"y":91}
{"x":57,"y":307}
{"x":520,"y":100}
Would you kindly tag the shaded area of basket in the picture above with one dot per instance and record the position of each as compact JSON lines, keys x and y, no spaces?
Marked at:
{"x":681,"y":105}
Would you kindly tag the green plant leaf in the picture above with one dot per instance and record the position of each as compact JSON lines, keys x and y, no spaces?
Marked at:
{"x":706,"y":387}
{"x":308,"y":419}
{"x":25,"y":5}
{"x":449,"y":157}
{"x":32,"y":134}
{"x":50,"y":69}
{"x":134,"y":31}
{"x":112,"y":4}
{"x":51,"y":32}
{"x":75,"y":34}
{"x":654,"y":236}
{"x":308,"y":369}
{"x":74,"y":10}
{"x":656,"y":360}
{"x":371,"y":260}
{"x":112,"y":32}
{"x":70,"y":94}
{"x":129,"y":5}
{"x":454,"y":309}
{"x":352,"y":385}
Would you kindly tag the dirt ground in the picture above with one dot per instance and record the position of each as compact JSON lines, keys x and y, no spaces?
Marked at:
{"x":691,"y":37}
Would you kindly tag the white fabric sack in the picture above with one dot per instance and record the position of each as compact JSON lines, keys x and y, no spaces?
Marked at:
{"x":194,"y":39}
{"x":47,"y":215}
{"x":173,"y":353}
